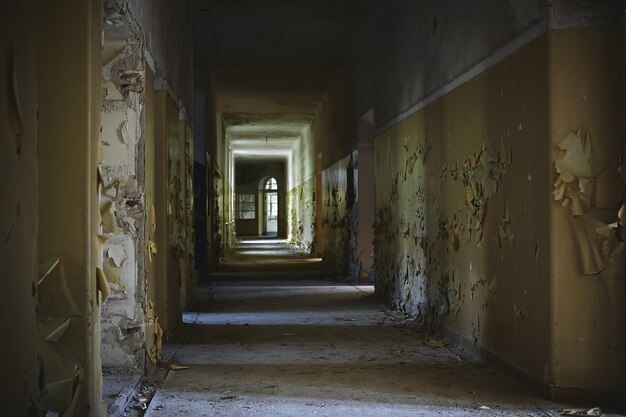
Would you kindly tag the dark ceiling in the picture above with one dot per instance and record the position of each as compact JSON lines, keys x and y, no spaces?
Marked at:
{"x":279,"y":32}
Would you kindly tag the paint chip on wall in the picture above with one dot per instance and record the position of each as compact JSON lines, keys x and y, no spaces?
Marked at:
{"x":58,"y":332}
{"x":152,"y":250}
{"x":573,"y":187}
{"x":102,"y":285}
{"x":117,"y":254}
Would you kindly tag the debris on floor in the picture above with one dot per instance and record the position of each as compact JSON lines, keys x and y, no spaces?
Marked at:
{"x":332,"y":367}
{"x":175,"y":367}
{"x":140,"y":401}
{"x":433,"y":343}
{"x":596,"y":411}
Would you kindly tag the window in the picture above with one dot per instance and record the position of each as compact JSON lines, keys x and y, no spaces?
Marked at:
{"x":270,"y":191}
{"x":246,"y":207}
{"x":272,"y":206}
{"x":271,"y":185}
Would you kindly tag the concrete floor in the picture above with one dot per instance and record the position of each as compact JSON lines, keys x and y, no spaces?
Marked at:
{"x":118,"y":388}
{"x":309,"y":347}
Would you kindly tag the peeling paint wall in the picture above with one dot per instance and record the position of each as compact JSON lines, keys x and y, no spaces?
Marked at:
{"x":301,"y":198}
{"x":173,"y":170}
{"x":302,"y":215}
{"x":154,"y":332}
{"x":168,"y":40}
{"x":165,"y":303}
{"x":75,"y":245}
{"x":338,"y":200}
{"x":362,"y":257}
{"x":18,"y":205}
{"x":586,"y":138}
{"x":360,"y":198}
{"x":461,"y":227}
{"x":489,"y":211}
{"x":69,"y":99}
{"x":182,"y":236}
{"x":214,"y":144}
{"x":122,"y":193}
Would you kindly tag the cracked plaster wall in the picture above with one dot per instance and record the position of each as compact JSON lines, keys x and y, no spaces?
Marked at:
{"x":133,"y":211}
{"x":301,"y":197}
{"x":501,"y":230}
{"x":302,"y":215}
{"x":174,"y":234}
{"x":337,"y":200}
{"x":461,"y":226}
{"x":363,"y":215}
{"x":122,"y":194}
{"x":414,"y":68}
{"x":154,"y":331}
{"x":214,"y":144}
{"x":169,"y":40}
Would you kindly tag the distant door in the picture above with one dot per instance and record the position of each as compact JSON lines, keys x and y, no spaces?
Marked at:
{"x":270,"y":192}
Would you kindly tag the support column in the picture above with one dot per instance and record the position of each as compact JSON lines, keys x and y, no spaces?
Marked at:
{"x":586,"y":131}
{"x":69,"y":65}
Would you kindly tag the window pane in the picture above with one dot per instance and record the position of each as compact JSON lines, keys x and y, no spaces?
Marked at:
{"x":271,"y":184}
{"x":246,"y":207}
{"x":246,"y":215}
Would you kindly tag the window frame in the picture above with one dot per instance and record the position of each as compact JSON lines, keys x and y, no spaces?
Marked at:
{"x":249,"y":203}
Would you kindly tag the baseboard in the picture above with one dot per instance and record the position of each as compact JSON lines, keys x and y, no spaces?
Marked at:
{"x":568,"y":395}
{"x":582,"y":396}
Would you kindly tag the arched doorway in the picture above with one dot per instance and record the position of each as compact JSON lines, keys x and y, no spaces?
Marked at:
{"x":270,"y":207}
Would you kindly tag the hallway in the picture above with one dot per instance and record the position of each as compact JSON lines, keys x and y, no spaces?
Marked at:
{"x":346,"y":207}
{"x":313,"y":347}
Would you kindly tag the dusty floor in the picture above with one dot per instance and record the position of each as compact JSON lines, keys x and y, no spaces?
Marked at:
{"x":309,"y":347}
{"x":118,"y":387}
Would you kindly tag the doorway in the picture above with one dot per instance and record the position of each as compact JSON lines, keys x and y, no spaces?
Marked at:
{"x":270,"y":212}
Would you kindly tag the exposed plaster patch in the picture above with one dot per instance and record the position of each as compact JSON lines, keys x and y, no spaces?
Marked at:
{"x":302,"y":208}
{"x":121,"y":190}
{"x":111,"y":92}
{"x":572,"y":188}
{"x":580,"y":188}
{"x":117,"y":254}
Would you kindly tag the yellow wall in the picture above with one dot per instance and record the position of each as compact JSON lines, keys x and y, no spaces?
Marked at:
{"x":335,"y":216}
{"x":461,"y":203}
{"x":588,"y":287}
{"x":497,"y":213}
{"x":18,"y":204}
{"x":167,"y":130}
{"x":173,"y":168}
{"x":69,"y":122}
{"x":152,"y":251}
